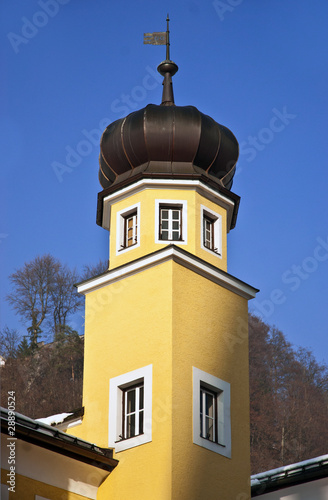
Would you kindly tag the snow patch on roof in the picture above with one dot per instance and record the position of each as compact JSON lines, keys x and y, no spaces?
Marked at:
{"x":54,"y":419}
{"x":292,"y":468}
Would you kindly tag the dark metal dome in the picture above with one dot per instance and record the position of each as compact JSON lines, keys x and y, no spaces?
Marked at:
{"x":167,"y":140}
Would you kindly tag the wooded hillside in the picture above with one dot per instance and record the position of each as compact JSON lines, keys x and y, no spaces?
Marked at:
{"x":288,"y":400}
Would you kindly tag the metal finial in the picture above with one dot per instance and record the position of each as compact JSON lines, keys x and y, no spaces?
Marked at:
{"x":167,"y":68}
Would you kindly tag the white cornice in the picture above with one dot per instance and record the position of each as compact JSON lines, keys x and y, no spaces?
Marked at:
{"x":52,"y":468}
{"x":142,"y":184}
{"x":177,"y":255}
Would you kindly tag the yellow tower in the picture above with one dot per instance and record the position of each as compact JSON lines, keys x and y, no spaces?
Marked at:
{"x":166,"y":344}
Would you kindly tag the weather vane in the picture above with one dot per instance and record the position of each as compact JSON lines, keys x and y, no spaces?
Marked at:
{"x":167,"y":68}
{"x":160,"y":38}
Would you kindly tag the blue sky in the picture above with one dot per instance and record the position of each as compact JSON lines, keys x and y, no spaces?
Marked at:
{"x":69,"y":67}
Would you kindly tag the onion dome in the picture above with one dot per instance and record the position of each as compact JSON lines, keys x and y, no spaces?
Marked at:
{"x":167,"y":141}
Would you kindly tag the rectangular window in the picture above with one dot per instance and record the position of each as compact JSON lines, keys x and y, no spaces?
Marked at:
{"x":211,"y":413}
{"x":208,"y":414}
{"x":133,"y":411}
{"x":208,"y":232}
{"x":130,"y":409}
{"x":130,"y":230}
{"x":211,"y":232}
{"x":170,"y":227}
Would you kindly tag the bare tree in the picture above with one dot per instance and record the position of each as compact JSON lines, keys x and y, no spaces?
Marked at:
{"x":9,"y":341}
{"x":263,"y":433}
{"x":44,"y":296}
{"x":64,"y":298}
{"x":33,"y":286}
{"x":89,"y":271}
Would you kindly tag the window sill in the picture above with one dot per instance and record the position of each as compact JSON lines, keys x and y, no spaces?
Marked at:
{"x":170,"y":241}
{"x":213,"y":442}
{"x":127,"y":439}
{"x":128,"y":248}
{"x":128,"y":443}
{"x":214,"y":250}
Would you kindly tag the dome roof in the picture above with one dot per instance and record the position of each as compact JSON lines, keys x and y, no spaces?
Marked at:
{"x":167,"y":140}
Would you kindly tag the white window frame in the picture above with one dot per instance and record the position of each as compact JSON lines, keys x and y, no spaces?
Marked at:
{"x":174,"y":203}
{"x":223,"y":417}
{"x":121,"y":217}
{"x":116,"y":387}
{"x":217,"y":231}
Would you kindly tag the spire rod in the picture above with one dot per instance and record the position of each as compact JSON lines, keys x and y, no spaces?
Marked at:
{"x":167,"y":38}
{"x":167,"y":68}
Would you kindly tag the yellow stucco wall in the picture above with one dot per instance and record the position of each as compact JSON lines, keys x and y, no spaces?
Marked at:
{"x":26,"y":489}
{"x":208,"y":320}
{"x":174,"y":319}
{"x":147,"y":199}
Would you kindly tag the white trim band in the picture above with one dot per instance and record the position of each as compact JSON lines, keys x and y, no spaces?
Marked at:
{"x":134,"y":188}
{"x":180,"y":256}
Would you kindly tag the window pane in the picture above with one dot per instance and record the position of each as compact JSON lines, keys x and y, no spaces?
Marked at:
{"x":209,"y":429}
{"x":209,"y":405}
{"x":207,"y":414}
{"x":141,"y":420}
{"x":141,"y":398}
{"x":130,"y":230}
{"x":208,"y":225}
{"x":175,"y":236}
{"x":176,"y":214}
{"x":141,"y":412}
{"x":131,"y":422}
{"x":175,"y":225}
{"x":165,"y":224}
{"x":165,"y":235}
{"x":130,"y":236}
{"x":131,"y":401}
{"x":165,"y":214}
{"x":201,"y":412}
